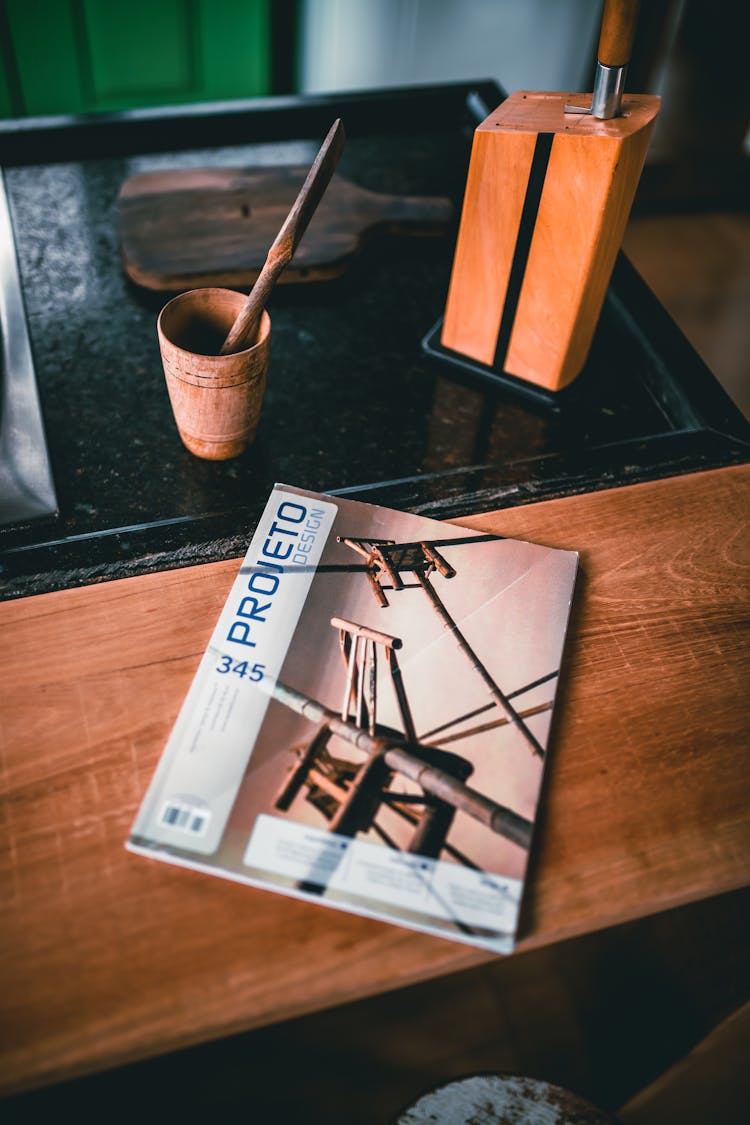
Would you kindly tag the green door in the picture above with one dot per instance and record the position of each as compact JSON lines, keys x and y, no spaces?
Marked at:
{"x":79,"y":56}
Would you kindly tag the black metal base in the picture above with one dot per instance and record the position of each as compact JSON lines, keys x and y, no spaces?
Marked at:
{"x":530,"y":392}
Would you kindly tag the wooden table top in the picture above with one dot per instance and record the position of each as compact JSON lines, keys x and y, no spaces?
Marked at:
{"x":107,"y":957}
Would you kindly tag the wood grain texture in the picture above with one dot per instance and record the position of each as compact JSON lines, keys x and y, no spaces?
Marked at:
{"x":588,"y":192}
{"x":619,"y":21}
{"x":493,"y":202}
{"x":244,"y":330}
{"x":109,"y":957}
{"x":590,"y":181}
{"x":216,"y":399}
{"x":189,"y":228}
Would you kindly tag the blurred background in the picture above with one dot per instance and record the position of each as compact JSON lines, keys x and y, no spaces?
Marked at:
{"x":72,"y":56}
{"x":83,"y":56}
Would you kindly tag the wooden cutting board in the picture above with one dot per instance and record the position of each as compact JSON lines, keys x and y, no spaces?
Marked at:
{"x":195,"y":227}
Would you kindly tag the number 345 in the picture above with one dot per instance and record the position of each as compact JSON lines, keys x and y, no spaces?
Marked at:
{"x":241,"y":668}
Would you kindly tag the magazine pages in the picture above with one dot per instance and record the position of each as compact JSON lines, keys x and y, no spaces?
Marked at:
{"x":367,"y":728}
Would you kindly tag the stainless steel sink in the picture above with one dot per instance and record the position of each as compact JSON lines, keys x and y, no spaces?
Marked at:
{"x":27,"y":489}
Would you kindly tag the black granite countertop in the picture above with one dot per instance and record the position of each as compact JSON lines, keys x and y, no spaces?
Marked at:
{"x":353,"y":406}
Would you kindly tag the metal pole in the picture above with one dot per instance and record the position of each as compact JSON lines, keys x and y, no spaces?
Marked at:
{"x":435,"y":781}
{"x":476,"y":663}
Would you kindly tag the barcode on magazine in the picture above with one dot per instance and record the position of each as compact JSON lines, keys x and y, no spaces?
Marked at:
{"x":184,"y":815}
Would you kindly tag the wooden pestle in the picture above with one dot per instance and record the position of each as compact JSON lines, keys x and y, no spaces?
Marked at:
{"x":245,"y":327}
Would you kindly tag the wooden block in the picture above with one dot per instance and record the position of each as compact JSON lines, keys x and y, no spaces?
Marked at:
{"x":547,"y":200}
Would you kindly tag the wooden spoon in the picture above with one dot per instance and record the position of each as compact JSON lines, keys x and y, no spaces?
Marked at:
{"x":245,"y":327}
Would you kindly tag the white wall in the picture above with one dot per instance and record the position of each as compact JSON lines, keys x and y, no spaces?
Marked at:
{"x":523,"y":44}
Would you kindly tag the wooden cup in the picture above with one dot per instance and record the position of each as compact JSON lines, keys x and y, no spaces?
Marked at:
{"x":216,"y":399}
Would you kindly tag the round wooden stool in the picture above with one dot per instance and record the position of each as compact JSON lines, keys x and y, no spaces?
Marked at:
{"x":501,"y":1099}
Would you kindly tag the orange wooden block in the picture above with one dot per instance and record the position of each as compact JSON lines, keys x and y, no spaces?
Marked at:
{"x":547,"y":200}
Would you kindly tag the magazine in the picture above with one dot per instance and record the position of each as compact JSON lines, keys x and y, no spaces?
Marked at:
{"x":367,"y":728}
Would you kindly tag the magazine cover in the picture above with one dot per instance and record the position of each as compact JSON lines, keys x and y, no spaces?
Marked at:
{"x":368,"y":725}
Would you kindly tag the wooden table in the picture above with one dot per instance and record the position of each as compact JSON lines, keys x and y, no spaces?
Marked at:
{"x":107,"y":957}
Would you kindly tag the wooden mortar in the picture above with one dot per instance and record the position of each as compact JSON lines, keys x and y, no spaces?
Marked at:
{"x":216,"y":399}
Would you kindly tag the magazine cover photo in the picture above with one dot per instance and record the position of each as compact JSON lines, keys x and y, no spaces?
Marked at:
{"x":402,"y":733}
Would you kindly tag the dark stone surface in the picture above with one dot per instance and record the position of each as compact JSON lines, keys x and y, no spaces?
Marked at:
{"x":353,"y":403}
